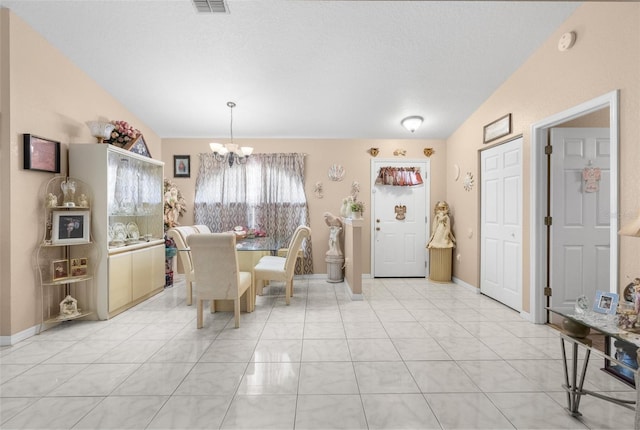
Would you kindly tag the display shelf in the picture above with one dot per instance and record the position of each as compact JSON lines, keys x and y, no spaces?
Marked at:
{"x":66,"y":247}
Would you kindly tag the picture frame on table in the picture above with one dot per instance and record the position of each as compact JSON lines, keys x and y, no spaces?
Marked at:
{"x":497,"y":129}
{"x":70,"y":227}
{"x":181,"y":166}
{"x":41,"y":154}
{"x":59,"y":269}
{"x":605,"y":303}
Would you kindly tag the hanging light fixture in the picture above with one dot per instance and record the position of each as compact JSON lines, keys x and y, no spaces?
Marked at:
{"x":412,"y":123}
{"x":231,"y":152}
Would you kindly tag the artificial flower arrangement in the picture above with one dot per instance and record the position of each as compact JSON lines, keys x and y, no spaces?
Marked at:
{"x":123,"y":133}
{"x":174,"y":204}
{"x":249,"y":233}
{"x":357,"y":206}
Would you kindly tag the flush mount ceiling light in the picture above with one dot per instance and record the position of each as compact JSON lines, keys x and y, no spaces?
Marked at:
{"x":231,"y":152}
{"x":412,"y":123}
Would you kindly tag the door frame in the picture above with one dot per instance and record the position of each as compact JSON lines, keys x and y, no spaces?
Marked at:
{"x":426,"y":179}
{"x":539,"y":138}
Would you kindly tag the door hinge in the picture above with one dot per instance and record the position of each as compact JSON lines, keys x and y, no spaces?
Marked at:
{"x":547,"y":291}
{"x":548,"y":150}
{"x":548,"y":220}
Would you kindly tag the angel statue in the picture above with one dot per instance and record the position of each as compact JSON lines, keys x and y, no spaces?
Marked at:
{"x":441,"y":235}
{"x":335,"y":227}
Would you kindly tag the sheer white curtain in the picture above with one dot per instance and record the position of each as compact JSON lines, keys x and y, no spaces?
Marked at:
{"x":267,"y":192}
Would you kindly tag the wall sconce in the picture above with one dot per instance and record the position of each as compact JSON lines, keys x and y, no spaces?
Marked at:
{"x":101,"y":130}
{"x":374,"y":152}
{"x":428,"y":152}
{"x":632,"y":229}
{"x":412,"y":123}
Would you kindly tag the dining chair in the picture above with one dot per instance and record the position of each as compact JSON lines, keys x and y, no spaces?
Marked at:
{"x":179,"y":235}
{"x":282,"y":252}
{"x":217,"y":276}
{"x":273,"y":268}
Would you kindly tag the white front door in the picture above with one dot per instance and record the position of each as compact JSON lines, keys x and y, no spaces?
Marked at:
{"x":580,"y":213}
{"x":399,"y":243}
{"x":501,"y":223}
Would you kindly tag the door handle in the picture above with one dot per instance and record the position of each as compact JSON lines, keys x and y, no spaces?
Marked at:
{"x":378,"y":220}
{"x":377,"y":228}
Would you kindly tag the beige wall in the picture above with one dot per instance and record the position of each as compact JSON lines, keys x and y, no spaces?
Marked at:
{"x":48,"y":96}
{"x":605,"y":57}
{"x":321,"y":154}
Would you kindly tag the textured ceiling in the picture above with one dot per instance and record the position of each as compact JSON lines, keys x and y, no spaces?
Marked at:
{"x":295,"y":68}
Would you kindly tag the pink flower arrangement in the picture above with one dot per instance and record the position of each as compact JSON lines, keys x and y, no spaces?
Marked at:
{"x":123,"y":133}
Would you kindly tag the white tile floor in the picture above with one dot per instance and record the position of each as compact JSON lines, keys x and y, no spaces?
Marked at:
{"x":413,"y":355}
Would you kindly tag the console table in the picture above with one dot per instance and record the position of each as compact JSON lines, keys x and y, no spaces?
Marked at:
{"x":574,"y":380}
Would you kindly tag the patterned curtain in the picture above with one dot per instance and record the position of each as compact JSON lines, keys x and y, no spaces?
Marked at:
{"x":267,"y":192}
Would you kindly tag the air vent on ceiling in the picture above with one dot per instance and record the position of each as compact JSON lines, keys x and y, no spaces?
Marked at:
{"x":211,"y":6}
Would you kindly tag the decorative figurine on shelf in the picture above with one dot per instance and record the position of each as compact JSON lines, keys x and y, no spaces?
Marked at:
{"x":69,"y":307}
{"x":441,"y":236}
{"x":83,"y":201}
{"x":636,"y":301}
{"x":335,"y":227}
{"x":69,"y":191}
{"x":52,"y":200}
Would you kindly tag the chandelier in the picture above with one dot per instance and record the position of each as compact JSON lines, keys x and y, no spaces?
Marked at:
{"x":231,"y":152}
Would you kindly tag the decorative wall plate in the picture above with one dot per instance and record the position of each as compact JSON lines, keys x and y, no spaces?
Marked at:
{"x":119,"y":231}
{"x":336,"y":172}
{"x":468,"y":182}
{"x":132,"y":230}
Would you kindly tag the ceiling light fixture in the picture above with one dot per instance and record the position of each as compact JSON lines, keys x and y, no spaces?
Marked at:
{"x":412,"y":123}
{"x":231,"y":152}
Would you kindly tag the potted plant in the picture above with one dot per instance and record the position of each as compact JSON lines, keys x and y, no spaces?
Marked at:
{"x":357,"y":208}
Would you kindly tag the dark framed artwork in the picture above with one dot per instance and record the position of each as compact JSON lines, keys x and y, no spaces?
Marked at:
{"x":138,"y":146}
{"x":181,"y":166}
{"x":41,"y":154}
{"x":70,"y":227}
{"x":497,"y":129}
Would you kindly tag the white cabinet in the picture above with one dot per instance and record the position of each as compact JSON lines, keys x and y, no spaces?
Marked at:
{"x":66,"y":256}
{"x":128,"y":223}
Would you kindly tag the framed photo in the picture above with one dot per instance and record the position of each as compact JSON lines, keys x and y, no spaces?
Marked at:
{"x":138,"y":146}
{"x":497,"y":129}
{"x":41,"y":154}
{"x":605,"y":303}
{"x":78,"y":266}
{"x":70,"y":227}
{"x":59,"y":269}
{"x":181,"y":166}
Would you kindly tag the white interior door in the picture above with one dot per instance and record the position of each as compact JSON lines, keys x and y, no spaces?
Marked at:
{"x":501,"y":223}
{"x":399,"y":245}
{"x":580,"y":227}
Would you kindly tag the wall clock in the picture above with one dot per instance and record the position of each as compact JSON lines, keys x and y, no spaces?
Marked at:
{"x":468,"y":181}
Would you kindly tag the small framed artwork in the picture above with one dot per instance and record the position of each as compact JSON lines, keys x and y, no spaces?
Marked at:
{"x":138,"y":146}
{"x":59,"y":269}
{"x":181,"y":166}
{"x":78,"y":266}
{"x":41,"y":154}
{"x":70,"y":227}
{"x":497,"y":129}
{"x":605,"y":303}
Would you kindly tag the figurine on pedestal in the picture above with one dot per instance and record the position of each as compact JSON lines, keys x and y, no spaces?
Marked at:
{"x":334,"y":256}
{"x":441,"y":244}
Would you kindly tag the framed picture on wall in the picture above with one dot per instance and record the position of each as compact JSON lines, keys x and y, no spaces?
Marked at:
{"x":181,"y":166}
{"x":497,"y":129}
{"x":41,"y":154}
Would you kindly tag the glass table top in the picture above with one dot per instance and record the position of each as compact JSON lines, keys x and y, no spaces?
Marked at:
{"x":603,"y":323}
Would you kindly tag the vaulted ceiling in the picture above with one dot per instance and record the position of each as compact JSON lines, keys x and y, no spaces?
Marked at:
{"x":297,"y":68}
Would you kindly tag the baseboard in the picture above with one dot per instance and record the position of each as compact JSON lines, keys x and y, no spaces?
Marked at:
{"x":19,"y":337}
{"x":469,"y":287}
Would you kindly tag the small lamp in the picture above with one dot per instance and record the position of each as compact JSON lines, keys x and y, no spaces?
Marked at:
{"x":100,"y":129}
{"x":412,"y":123}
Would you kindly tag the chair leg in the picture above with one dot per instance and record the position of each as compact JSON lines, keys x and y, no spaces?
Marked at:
{"x":259,"y":286}
{"x":189,"y":294}
{"x":287,"y":292}
{"x":248,"y":294}
{"x":236,"y":311}
{"x":199,"y":313}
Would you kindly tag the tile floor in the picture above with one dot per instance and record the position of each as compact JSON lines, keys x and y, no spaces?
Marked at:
{"x":412,"y":355}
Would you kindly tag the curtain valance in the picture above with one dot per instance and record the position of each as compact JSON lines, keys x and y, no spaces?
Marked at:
{"x":399,"y":176}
